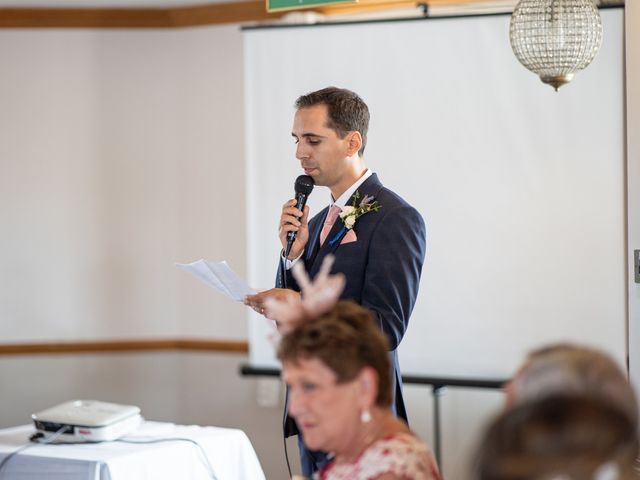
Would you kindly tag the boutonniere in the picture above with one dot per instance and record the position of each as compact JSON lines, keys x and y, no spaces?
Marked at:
{"x":351,"y":213}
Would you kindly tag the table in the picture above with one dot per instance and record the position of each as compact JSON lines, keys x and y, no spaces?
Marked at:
{"x":228,"y":450}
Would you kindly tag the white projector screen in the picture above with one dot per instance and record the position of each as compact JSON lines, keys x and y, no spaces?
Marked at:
{"x":521,"y":188}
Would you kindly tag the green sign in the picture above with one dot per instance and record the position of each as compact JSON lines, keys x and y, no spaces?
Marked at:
{"x":275,"y":5}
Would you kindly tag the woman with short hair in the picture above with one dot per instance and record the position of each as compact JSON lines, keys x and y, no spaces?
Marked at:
{"x":338,"y":375}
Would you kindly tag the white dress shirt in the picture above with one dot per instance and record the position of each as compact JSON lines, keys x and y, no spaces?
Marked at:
{"x":340,"y":202}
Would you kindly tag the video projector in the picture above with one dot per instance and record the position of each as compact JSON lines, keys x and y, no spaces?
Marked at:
{"x":87,"y":421}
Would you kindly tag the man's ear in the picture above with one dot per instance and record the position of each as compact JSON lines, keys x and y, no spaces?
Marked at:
{"x":355,"y":143}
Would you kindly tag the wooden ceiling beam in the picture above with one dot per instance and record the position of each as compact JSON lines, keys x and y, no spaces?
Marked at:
{"x":217,"y":13}
{"x":232,"y":12}
{"x":84,"y":18}
{"x":179,"y":17}
{"x":176,"y":17}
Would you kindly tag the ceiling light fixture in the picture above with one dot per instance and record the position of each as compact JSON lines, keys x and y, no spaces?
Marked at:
{"x":555,"y":38}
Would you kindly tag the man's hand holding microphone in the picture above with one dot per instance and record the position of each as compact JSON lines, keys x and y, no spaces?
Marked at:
{"x":293,"y":231}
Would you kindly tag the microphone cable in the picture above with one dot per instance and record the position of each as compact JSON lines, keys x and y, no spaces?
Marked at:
{"x":40,"y":438}
{"x":203,"y":454}
{"x":283,"y":270}
{"x":286,"y":453}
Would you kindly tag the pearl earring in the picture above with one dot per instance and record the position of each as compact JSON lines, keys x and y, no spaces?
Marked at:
{"x":365,"y":416}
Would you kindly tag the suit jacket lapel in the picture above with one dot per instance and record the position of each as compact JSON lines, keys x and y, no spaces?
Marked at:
{"x":371,"y":186}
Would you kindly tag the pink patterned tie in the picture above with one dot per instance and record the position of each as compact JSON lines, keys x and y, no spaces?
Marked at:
{"x":334,"y":211}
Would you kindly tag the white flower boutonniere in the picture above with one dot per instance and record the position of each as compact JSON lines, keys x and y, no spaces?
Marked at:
{"x":350,"y":213}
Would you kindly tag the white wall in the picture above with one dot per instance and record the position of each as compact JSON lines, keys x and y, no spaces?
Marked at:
{"x":120,"y":153}
{"x":632,"y":49}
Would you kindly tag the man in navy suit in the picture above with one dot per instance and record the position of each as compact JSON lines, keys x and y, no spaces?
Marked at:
{"x":380,"y":255}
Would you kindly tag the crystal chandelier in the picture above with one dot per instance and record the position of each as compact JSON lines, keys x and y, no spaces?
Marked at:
{"x":555,"y":38}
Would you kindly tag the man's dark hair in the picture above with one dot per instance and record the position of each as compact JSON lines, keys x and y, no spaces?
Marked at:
{"x":347,"y":112}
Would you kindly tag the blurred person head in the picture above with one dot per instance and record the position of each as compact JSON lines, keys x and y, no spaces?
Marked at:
{"x":336,"y":368}
{"x":559,"y":438}
{"x":568,"y":369}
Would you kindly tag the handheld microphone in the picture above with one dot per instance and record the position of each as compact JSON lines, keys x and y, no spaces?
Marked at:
{"x":303,"y":187}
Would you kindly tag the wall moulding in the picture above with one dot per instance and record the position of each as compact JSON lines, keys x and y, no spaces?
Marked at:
{"x":124,"y":345}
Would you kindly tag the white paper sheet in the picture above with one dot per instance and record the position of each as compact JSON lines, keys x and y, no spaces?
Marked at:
{"x":219,"y":276}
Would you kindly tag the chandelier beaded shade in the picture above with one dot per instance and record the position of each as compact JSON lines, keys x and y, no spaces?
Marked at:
{"x":555,"y":38}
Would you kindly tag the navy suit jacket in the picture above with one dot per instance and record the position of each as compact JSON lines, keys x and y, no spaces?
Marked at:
{"x":382,"y":268}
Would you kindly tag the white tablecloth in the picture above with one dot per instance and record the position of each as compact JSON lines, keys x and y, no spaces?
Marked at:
{"x":229,"y":452}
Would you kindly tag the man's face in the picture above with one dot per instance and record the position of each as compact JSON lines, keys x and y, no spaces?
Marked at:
{"x":322,"y":154}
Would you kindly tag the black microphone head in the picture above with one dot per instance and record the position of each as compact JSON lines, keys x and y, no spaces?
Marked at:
{"x":304,"y":184}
